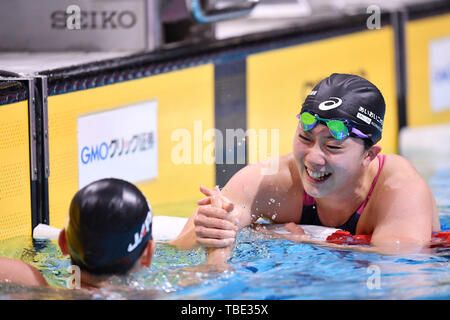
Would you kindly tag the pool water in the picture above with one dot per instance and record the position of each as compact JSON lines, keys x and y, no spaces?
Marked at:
{"x":259,"y":268}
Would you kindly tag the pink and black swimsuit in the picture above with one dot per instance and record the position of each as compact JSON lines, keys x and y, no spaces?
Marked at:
{"x":309,"y":212}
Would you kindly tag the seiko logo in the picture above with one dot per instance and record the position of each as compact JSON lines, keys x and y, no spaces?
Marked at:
{"x":334,"y":102}
{"x":93,"y":19}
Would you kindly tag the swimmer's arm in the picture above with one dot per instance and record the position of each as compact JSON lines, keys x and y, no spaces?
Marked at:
{"x":19,"y":272}
{"x":297,"y":234}
{"x":405,"y":216}
{"x":260,"y":193}
{"x":187,"y":239}
{"x":238,"y":194}
{"x":387,"y":249}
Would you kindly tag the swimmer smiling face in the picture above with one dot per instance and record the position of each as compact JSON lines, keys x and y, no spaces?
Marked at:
{"x":328,"y":165}
{"x":330,"y":156}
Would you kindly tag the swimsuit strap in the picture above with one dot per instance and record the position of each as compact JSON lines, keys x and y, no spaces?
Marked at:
{"x":381,"y":159}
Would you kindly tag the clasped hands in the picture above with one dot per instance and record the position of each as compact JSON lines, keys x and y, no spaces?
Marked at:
{"x":216,"y":222}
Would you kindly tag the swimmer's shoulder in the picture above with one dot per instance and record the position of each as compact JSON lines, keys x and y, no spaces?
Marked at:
{"x":396,"y":176}
{"x":403,"y":178}
{"x":402,"y":193}
{"x":399,"y":172}
{"x":19,"y":272}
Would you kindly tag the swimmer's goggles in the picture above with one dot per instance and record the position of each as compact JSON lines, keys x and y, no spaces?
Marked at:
{"x":339,"y":128}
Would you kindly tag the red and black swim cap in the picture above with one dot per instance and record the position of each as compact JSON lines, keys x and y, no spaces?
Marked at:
{"x":110,"y":223}
{"x":351,"y":97}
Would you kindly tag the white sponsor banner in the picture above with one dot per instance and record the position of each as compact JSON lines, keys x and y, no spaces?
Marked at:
{"x":439,"y":59}
{"x":119,"y":143}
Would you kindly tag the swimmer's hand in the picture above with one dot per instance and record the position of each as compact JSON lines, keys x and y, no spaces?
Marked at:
{"x":215,"y":226}
{"x":206,"y":226}
{"x":212,"y":225}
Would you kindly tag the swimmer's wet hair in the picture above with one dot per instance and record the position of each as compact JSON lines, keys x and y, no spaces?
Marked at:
{"x":110,"y":223}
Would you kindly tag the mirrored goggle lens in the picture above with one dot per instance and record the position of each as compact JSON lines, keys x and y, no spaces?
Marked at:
{"x":308,"y":121}
{"x":338,"y":129}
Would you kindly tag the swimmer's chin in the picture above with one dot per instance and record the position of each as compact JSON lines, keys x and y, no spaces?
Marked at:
{"x":314,"y":194}
{"x":315,"y":191}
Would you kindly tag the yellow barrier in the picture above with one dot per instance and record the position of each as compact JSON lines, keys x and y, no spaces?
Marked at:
{"x":279,"y":80}
{"x":183,"y":97}
{"x":15,"y":190}
{"x":419,"y":36}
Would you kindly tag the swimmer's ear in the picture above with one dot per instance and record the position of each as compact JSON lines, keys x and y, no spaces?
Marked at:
{"x":371,"y":154}
{"x":63,"y":242}
{"x":146,"y":258}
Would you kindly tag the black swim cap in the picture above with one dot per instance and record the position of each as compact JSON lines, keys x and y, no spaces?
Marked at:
{"x":110,"y":223}
{"x":347,"y":96}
